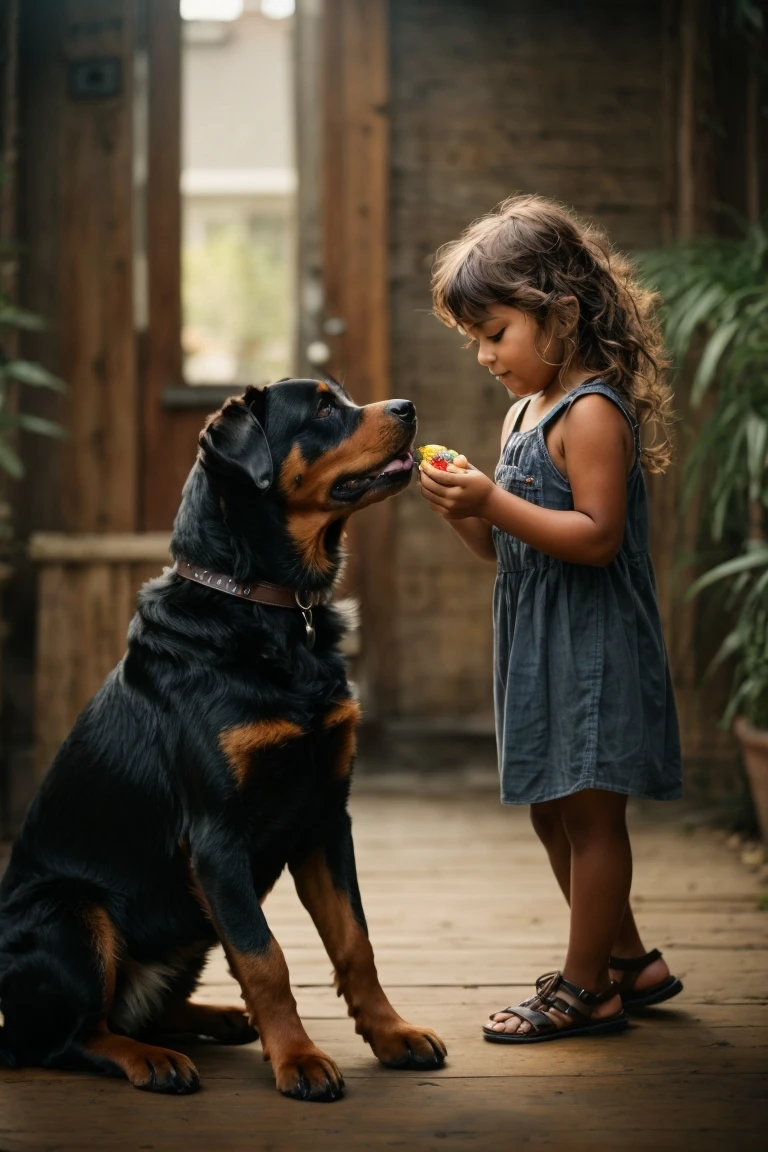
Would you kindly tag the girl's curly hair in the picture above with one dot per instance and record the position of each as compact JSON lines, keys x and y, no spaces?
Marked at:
{"x":533,"y":254}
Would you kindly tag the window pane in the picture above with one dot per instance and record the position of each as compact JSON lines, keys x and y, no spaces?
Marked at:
{"x":238,"y":191}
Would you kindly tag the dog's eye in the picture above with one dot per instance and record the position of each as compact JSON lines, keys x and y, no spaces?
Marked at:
{"x":324,"y":408}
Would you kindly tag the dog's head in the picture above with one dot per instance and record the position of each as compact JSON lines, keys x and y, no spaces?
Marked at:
{"x":291,"y":462}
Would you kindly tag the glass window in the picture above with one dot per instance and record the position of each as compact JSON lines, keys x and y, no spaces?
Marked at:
{"x":238,"y":189}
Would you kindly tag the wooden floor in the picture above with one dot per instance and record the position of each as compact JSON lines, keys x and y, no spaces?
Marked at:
{"x":463,"y":914}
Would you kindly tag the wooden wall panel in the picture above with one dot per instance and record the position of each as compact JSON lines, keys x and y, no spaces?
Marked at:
{"x":95,"y":156}
{"x":75,"y":226}
{"x":87,"y":594}
{"x":616,"y":124}
{"x":356,"y":282}
{"x":476,"y":115}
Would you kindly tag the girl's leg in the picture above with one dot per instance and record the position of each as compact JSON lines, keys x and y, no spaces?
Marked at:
{"x":548,"y":825}
{"x":600,"y":878}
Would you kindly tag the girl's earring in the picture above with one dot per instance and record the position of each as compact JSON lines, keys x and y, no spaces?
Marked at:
{"x":543,"y":355}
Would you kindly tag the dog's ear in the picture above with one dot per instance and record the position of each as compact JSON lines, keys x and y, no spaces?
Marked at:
{"x":234,"y":441}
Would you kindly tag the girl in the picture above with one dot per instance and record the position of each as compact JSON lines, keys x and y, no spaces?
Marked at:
{"x":584,"y":706}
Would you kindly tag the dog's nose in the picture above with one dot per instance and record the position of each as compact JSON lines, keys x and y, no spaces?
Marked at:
{"x":404,"y":410}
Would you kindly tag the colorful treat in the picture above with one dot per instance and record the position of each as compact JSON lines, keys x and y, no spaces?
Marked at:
{"x":437,"y":455}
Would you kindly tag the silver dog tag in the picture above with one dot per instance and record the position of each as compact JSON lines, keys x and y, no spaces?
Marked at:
{"x":307,"y":614}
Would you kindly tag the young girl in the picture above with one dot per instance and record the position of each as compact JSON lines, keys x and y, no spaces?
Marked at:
{"x":584,"y":707}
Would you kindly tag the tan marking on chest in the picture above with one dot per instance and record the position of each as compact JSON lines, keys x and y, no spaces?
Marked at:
{"x":240,"y":744}
{"x":344,"y":715}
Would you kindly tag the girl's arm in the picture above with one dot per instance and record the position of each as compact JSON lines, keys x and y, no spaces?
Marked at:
{"x":476,"y":534}
{"x":599,"y":451}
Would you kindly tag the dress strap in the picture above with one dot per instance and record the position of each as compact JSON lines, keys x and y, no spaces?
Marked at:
{"x":520,"y":416}
{"x":596,"y":385}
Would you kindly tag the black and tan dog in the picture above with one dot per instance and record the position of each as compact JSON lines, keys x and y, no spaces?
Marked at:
{"x":216,"y":753}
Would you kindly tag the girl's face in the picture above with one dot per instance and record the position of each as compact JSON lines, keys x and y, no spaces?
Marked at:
{"x":507,"y":343}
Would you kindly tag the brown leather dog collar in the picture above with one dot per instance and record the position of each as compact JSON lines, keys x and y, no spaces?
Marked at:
{"x":260,"y":592}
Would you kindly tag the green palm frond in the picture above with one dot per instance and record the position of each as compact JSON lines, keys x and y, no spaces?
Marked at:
{"x":715,"y":313}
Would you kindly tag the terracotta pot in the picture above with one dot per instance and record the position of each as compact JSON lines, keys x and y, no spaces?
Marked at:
{"x":754,"y":749}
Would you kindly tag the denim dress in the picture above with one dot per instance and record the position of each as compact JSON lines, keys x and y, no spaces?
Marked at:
{"x":582,"y":690}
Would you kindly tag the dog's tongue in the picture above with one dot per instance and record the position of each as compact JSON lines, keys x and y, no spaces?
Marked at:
{"x":399,"y":464}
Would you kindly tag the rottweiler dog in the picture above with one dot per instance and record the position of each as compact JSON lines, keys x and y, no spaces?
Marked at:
{"x":217,"y":752}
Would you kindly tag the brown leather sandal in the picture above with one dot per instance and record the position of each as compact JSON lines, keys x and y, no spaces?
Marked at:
{"x":645,"y":997}
{"x":545,"y":1028}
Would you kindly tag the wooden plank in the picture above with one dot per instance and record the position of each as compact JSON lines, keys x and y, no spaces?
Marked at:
{"x":147,"y":547}
{"x":85,"y":603}
{"x":435,"y":872}
{"x":385,"y":1109}
{"x":356,"y":288}
{"x":96,"y":274}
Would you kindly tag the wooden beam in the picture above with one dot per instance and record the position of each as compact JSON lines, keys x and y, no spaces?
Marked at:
{"x":356,"y":281}
{"x":308,"y":126}
{"x":82,"y":548}
{"x":95,"y":158}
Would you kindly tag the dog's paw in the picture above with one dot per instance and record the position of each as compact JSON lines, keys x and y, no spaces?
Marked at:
{"x":165,"y":1071}
{"x":310,"y":1076}
{"x":229,"y":1026}
{"x":409,"y":1046}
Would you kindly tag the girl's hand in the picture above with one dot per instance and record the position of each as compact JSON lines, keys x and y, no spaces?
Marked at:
{"x":457,"y":493}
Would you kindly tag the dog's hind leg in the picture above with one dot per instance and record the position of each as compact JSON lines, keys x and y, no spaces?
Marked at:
{"x":52,"y":984}
{"x":326,"y":882}
{"x":226,"y":1025}
{"x":145,"y":1065}
{"x":178,"y":1015}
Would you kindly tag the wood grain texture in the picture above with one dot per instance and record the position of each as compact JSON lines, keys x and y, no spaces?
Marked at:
{"x":95,"y":152}
{"x":85,"y":604}
{"x":474,"y":118}
{"x":152,"y":547}
{"x":614,"y":127}
{"x":356,"y":221}
{"x":463,"y":914}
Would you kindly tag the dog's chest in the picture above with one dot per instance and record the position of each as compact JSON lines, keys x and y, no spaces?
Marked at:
{"x":277,"y":752}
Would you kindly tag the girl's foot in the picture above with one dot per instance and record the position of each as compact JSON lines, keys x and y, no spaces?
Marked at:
{"x":558,"y":1009}
{"x":644,"y":980}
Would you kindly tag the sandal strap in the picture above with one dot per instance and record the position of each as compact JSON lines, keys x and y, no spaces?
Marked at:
{"x":631,"y":968}
{"x":540,"y":1020}
{"x":634,"y":963}
{"x":543,"y":981}
{"x":591,"y":999}
{"x":575,"y":1011}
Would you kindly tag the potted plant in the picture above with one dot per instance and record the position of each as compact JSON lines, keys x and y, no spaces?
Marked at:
{"x":715,"y":308}
{"x":747,"y":708}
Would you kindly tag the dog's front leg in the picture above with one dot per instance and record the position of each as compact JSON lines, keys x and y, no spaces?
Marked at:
{"x":223,"y":871}
{"x":326,"y":882}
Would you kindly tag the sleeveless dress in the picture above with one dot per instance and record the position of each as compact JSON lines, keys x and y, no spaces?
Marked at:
{"x":582,"y":690}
